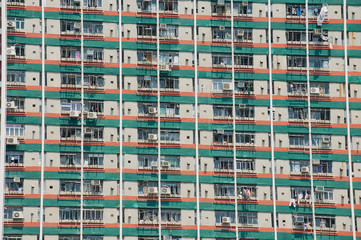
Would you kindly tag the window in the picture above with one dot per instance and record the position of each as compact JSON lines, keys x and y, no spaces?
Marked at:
{"x":169,"y":83}
{"x":326,"y":195}
{"x":143,"y":108}
{"x":221,"y":9}
{"x":247,"y":192}
{"x":224,"y":190}
{"x":222,"y":110}
{"x":93,"y":187}
{"x":143,"y":133}
{"x":94,"y":106}
{"x":146,"y":160}
{"x":168,"y":6}
{"x":69,"y":237}
{"x":69,"y":214}
{"x":147,"y":30}
{"x":169,"y":135}
{"x":71,"y":79}
{"x":301,"y":194}
{"x":70,"y":159}
{"x":223,"y":163}
{"x":70,"y":53}
{"x":14,"y":158}
{"x":169,"y":58}
{"x":300,"y":62}
{"x":323,"y":141}
{"x":173,"y":216}
{"x":14,"y":130}
{"x":93,"y":54}
{"x":70,"y":27}
{"x":173,"y":160}
{"x":147,"y":57}
{"x":296,"y":165}
{"x":90,"y":237}
{"x":326,"y":222}
{"x":146,"y":6}
{"x":13,"y":185}
{"x":94,"y":159}
{"x":147,"y":215}
{"x":241,"y":35}
{"x":19,"y":23}
{"x":322,"y":114}
{"x":70,"y":3}
{"x":19,"y":49}
{"x":19,"y":103}
{"x":169,"y":109}
{"x":68,"y":105}
{"x":70,"y":186}
{"x":70,"y":133}
{"x":93,"y":214}
{"x":218,"y":84}
{"x":245,"y":138}
{"x":93,"y":28}
{"x":8,"y":212}
{"x":247,"y":218}
{"x":245,"y":164}
{"x":170,"y":31}
{"x":221,"y":34}
{"x":296,"y":10}
{"x":16,"y":2}
{"x":323,"y":167}
{"x":16,"y":77}
{"x":245,"y":112}
{"x":297,"y":113}
{"x":244,"y":86}
{"x":148,"y":82}
{"x":242,"y":8}
{"x":93,"y":80}
{"x":223,"y":138}
{"x":12,"y":237}
{"x":93,"y":3}
{"x":300,"y":88}
{"x":93,"y":134}
{"x":221,"y":214}
{"x":243,"y":60}
{"x":222,"y":60}
{"x":298,"y":140}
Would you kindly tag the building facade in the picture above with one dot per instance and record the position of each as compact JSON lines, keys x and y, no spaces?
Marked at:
{"x":180,"y":119}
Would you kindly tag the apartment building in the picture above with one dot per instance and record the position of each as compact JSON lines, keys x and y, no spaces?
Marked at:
{"x":180,"y":119}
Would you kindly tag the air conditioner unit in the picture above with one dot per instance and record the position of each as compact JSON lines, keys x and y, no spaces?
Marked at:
{"x":222,"y":28}
{"x":88,"y":130}
{"x":226,"y":220}
{"x":152,"y":190}
{"x":165,"y":190}
{"x":154,"y":164}
{"x":299,"y":219}
{"x":305,"y":169}
{"x":92,"y":115}
{"x":317,"y":32}
{"x":12,"y":141}
{"x":220,"y":131}
{"x":17,"y":179}
{"x":10,"y":51}
{"x":240,"y":33}
{"x":164,"y":67}
{"x":162,"y":26}
{"x":316,"y":161}
{"x":90,"y":53}
{"x":95,"y":182}
{"x":11,"y":24}
{"x":242,"y":106}
{"x":74,"y":113}
{"x":244,"y":3}
{"x":220,"y":3}
{"x":147,"y":78}
{"x":326,"y":140}
{"x":165,"y":164}
{"x":18,"y":215}
{"x":319,"y":189}
{"x":315,"y":90}
{"x":152,"y":137}
{"x":11,"y":105}
{"x":227,"y":86}
{"x":77,"y":25}
{"x":152,"y":110}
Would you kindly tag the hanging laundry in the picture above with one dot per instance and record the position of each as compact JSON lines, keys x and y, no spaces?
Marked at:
{"x":292,"y":203}
{"x":321,"y":17}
